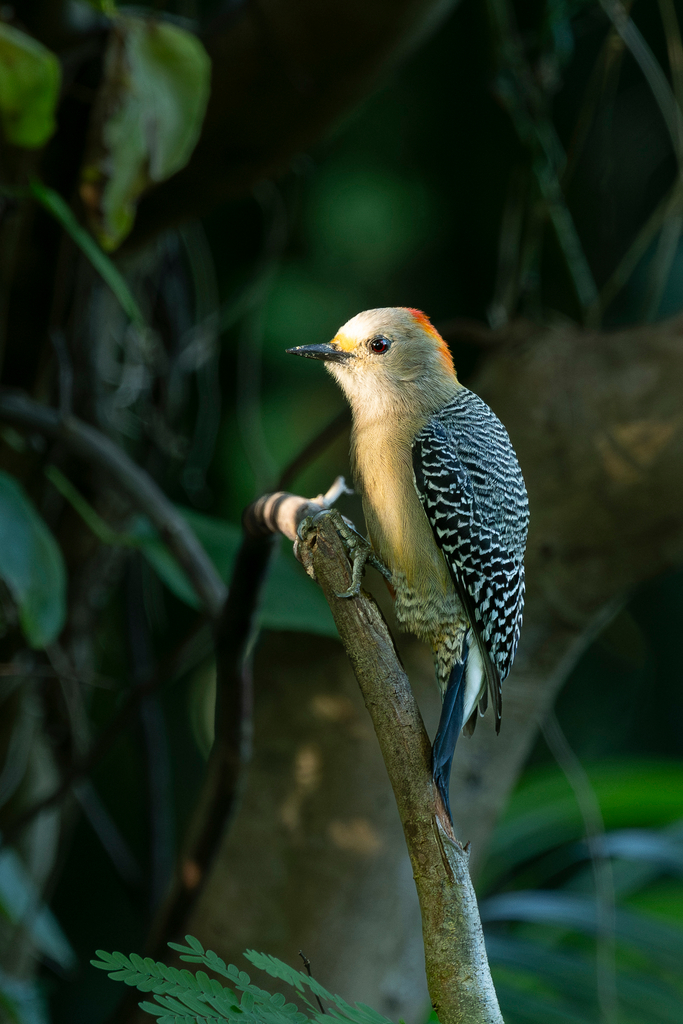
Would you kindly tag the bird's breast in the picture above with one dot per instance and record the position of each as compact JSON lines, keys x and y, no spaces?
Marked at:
{"x":401,"y":534}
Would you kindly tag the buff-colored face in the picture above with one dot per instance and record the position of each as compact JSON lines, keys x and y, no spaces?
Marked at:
{"x":385,"y":354}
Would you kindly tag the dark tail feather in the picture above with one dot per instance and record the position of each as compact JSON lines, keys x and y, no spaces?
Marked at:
{"x":450,"y":724}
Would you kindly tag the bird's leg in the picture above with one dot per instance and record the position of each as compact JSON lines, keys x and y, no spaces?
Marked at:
{"x":357,"y":548}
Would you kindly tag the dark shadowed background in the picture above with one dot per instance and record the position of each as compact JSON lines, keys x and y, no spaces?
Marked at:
{"x":514,"y":170}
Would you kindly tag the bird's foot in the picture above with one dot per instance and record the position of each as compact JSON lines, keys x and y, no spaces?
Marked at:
{"x":357,"y":548}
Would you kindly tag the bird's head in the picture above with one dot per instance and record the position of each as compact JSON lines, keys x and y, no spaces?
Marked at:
{"x":384,"y":358}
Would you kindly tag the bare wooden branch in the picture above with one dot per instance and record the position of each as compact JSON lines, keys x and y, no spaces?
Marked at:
{"x":230,"y":752}
{"x":457,"y":968}
{"x":282,"y":512}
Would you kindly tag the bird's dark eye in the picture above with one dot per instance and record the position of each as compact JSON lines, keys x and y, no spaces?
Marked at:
{"x":379,"y":346}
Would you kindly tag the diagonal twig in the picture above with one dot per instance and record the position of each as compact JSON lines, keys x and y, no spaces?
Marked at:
{"x":94,"y":447}
{"x":526,"y":104}
{"x":652,"y":71}
{"x":669,"y":107}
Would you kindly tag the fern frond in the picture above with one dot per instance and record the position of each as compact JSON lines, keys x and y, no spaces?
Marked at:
{"x":178,"y":991}
{"x":359,"y":1013}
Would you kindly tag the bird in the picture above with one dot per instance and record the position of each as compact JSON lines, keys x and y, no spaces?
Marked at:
{"x":445,"y":507}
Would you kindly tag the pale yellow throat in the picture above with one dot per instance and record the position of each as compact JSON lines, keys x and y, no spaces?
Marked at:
{"x":398,"y":527}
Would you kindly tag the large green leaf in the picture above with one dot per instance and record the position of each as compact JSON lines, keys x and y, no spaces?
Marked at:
{"x":30,"y":76}
{"x":219,"y":539}
{"x":291,"y":601}
{"x":31,"y":565}
{"x":540,"y":842}
{"x":543,"y":812}
{"x":639,"y":858}
{"x":573,"y":975}
{"x":147,"y":119}
{"x":657,"y":939}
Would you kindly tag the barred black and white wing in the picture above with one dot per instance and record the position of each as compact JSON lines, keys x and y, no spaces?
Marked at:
{"x":471,"y":488}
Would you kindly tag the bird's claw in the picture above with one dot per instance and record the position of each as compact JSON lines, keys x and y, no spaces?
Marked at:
{"x":305,"y":526}
{"x":357,"y":548}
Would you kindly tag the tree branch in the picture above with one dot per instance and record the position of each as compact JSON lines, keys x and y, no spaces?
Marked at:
{"x":458,"y":974}
{"x":601,"y":447}
{"x":596,"y":421}
{"x":234,"y":632}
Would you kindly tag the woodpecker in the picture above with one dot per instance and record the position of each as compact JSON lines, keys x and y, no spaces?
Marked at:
{"x":445,"y":507}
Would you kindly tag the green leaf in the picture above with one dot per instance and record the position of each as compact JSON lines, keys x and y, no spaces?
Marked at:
{"x":358,"y":1012}
{"x":210,"y":1002}
{"x":175,"y":991}
{"x":194,"y":944}
{"x":147,"y":119}
{"x":54,"y":204}
{"x":162,"y":561}
{"x":204,"y":983}
{"x":122,"y":960}
{"x":104,"y":962}
{"x":574,"y":976}
{"x":30,"y":77}
{"x":657,"y":939}
{"x":8,"y":1007}
{"x":152,"y":1008}
{"x":543,"y":812}
{"x":169,"y":1003}
{"x":31,"y":565}
{"x":277,"y":969}
{"x":291,"y":601}
{"x":107,"y":7}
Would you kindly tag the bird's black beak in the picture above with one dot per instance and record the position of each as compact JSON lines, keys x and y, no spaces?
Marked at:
{"x":330,"y":353}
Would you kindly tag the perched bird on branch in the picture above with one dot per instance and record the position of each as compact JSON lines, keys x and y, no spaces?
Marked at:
{"x":445,"y":506}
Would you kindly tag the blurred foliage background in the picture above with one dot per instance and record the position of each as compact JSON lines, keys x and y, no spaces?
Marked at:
{"x":522,"y":162}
